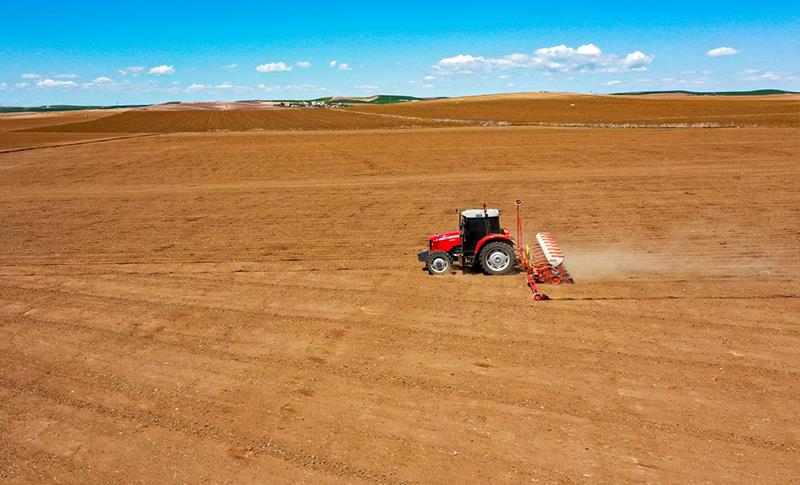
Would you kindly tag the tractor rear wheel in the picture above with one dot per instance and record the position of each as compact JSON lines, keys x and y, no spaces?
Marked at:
{"x":497,"y":258}
{"x":438,"y":263}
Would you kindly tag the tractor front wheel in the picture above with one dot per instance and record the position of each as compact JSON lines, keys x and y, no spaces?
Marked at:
{"x":438,"y":263}
{"x":497,"y":258}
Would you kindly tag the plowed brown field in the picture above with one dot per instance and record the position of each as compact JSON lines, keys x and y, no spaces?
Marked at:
{"x":247,"y":307}
{"x":17,"y":141}
{"x":570,"y":109}
{"x":138,"y":121}
{"x":11,"y":139}
{"x":526,"y":109}
{"x":21,"y":121}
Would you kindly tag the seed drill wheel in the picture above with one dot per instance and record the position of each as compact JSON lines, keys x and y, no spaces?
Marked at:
{"x":438,"y":263}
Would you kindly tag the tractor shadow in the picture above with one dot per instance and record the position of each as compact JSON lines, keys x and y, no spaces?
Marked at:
{"x":476,"y":271}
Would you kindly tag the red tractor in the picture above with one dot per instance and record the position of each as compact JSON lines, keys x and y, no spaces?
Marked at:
{"x":480,"y":241}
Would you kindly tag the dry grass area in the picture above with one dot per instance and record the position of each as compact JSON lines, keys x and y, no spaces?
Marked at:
{"x":247,"y":307}
{"x":571,"y":109}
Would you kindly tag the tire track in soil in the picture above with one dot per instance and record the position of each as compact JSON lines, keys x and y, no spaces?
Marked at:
{"x":409,"y":331}
{"x":428,"y":339}
{"x":77,"y":143}
{"x":257,"y":446}
{"x":427,"y":385}
{"x":36,"y":462}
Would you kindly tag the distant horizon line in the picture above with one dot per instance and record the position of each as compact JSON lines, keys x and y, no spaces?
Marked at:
{"x":406,"y":98}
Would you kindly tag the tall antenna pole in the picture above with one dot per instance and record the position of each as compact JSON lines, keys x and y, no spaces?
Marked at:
{"x":518,"y":203}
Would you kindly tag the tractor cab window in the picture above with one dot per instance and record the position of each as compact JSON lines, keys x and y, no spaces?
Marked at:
{"x":475,"y":228}
{"x":481,"y":225}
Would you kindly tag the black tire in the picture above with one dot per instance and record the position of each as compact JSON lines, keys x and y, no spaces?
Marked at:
{"x":497,"y":258}
{"x":438,"y":263}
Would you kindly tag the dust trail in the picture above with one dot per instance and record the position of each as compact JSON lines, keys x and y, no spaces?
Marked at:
{"x":673,"y":259}
{"x":613,"y":263}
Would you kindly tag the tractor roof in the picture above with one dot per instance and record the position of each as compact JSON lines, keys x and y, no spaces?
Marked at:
{"x":478,"y":213}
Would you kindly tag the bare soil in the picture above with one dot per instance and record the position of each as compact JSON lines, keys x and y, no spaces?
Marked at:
{"x":21,"y":121}
{"x":564,"y":110}
{"x":16,"y":141}
{"x":572,"y":109}
{"x":177,"y":121}
{"x":247,"y":307}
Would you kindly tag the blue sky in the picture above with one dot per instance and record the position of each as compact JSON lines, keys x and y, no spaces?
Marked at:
{"x":94,"y":52}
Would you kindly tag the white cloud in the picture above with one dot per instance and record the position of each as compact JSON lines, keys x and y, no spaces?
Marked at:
{"x":162,"y":70}
{"x":3,"y":86}
{"x":637,"y":61}
{"x":462,"y":64}
{"x":292,"y":87}
{"x":66,"y":76}
{"x":560,"y":58}
{"x":230,"y":67}
{"x":303,"y":64}
{"x":105,"y":83}
{"x":366,"y":87}
{"x":722,"y":51}
{"x":589,"y":50}
{"x":758,"y":75}
{"x":766,"y":76}
{"x":31,"y":75}
{"x":342,"y":66}
{"x":134,"y":70}
{"x":429,"y":78}
{"x":21,"y":85}
{"x":273,"y":67}
{"x":52,"y":83}
{"x":427,"y":86}
{"x":613,"y":83}
{"x":224,"y":87}
{"x":510,"y":85}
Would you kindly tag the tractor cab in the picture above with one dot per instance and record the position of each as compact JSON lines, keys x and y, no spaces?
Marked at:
{"x":477,"y":224}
